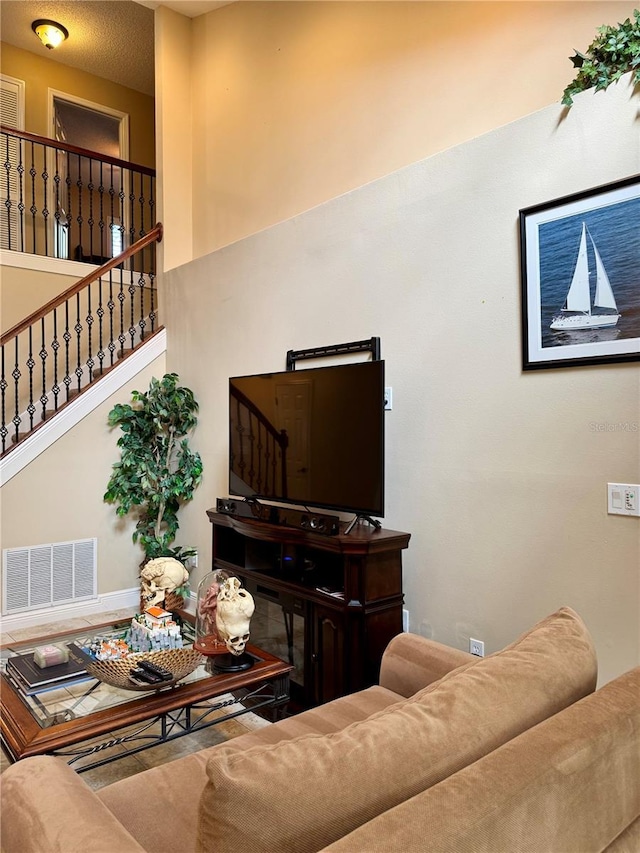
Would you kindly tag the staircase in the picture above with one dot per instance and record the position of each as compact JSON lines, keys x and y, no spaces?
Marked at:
{"x":59,"y":352}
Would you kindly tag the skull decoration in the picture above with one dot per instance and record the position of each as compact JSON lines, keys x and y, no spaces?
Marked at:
{"x":160,"y":577}
{"x":233,"y":615}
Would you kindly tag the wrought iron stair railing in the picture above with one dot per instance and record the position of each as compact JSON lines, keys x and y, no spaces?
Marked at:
{"x":63,"y":201}
{"x":67,"y":345}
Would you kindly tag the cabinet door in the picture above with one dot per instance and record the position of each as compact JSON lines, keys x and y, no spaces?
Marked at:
{"x":328,"y":654}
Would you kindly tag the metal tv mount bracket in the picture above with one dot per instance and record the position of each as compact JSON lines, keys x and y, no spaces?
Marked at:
{"x":372,"y":345}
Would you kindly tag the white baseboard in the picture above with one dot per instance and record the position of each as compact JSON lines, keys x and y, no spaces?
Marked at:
{"x":119,"y":600}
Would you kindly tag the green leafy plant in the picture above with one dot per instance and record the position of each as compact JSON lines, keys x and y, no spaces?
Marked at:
{"x":614,"y":52}
{"x":157,"y":471}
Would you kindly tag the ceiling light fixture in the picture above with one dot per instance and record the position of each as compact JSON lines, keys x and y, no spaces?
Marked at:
{"x":50,"y":33}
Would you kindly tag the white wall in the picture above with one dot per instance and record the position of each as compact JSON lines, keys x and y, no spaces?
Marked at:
{"x":496,"y":473}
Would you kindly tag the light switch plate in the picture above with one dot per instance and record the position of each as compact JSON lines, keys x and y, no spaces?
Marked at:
{"x":623,"y":499}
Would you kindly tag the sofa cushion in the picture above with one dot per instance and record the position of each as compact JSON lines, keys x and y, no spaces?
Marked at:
{"x":48,"y":807}
{"x":177,"y":784}
{"x":570,"y":784}
{"x":300,"y":795}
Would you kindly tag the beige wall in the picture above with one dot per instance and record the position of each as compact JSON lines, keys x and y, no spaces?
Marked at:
{"x":497,"y":474}
{"x":295,"y":103}
{"x":41,"y":74}
{"x":58,"y":496}
{"x":175,"y":175}
{"x":24,"y":290}
{"x":486,"y":465}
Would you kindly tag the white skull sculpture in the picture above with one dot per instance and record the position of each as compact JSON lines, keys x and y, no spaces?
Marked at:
{"x":233,"y":615}
{"x":160,"y":577}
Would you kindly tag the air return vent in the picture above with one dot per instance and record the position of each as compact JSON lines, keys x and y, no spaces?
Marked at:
{"x":48,"y":575}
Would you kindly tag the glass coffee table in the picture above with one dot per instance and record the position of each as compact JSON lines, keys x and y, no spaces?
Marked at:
{"x":61,"y":720}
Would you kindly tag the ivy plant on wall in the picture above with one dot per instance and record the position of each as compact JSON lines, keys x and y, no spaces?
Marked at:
{"x":614,"y":52}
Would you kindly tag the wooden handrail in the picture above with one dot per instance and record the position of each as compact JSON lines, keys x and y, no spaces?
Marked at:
{"x":74,"y":149}
{"x":154,"y":235}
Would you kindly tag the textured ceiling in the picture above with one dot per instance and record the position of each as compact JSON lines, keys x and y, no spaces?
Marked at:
{"x":112,"y":39}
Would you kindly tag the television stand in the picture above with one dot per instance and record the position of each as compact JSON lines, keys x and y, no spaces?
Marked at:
{"x":330,"y":604}
{"x":372,"y":521}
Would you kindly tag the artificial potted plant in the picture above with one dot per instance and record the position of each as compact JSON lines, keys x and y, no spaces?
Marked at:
{"x":157,"y":471}
{"x":615,"y":51}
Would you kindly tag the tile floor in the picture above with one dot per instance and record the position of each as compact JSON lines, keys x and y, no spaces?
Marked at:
{"x":132,"y":764}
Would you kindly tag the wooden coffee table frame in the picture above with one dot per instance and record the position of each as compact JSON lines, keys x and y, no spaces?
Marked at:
{"x":180,"y":710}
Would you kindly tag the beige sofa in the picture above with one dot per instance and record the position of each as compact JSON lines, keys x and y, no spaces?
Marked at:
{"x":513,"y":753}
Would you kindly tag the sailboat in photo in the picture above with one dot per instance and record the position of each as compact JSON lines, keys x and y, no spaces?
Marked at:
{"x":578,"y":312}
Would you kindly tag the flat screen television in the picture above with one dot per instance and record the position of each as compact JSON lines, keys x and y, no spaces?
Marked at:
{"x":312,"y":437}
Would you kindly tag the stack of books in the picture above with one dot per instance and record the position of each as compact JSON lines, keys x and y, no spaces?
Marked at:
{"x":30,"y":679}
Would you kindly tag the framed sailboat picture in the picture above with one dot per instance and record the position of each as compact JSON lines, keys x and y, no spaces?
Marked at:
{"x":580,"y":269}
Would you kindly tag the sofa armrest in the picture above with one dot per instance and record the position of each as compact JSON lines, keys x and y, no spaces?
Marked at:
{"x":411,"y":662}
{"x":46,"y":806}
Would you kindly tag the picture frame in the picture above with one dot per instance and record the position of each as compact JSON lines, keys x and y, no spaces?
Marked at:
{"x":580,"y":277}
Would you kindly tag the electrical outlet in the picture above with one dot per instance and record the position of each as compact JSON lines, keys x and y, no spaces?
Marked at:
{"x":405,"y":620}
{"x":388,"y":399}
{"x":476,"y":647}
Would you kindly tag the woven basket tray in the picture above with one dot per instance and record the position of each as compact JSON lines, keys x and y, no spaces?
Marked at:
{"x":180,"y":662}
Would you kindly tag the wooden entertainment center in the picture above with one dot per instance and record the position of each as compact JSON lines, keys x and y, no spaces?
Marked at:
{"x":347,"y":589}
